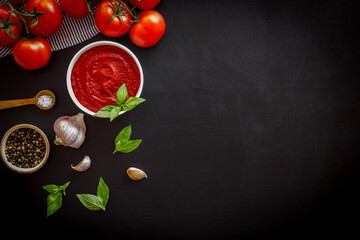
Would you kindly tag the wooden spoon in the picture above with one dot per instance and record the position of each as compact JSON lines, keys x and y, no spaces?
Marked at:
{"x":28,"y":101}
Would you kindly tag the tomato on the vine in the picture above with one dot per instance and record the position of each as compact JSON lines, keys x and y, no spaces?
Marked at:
{"x":75,"y":8}
{"x":148,"y":30}
{"x":144,"y":4}
{"x":112,"y":18}
{"x":32,"y":54}
{"x":49,"y":17}
{"x":7,"y":28}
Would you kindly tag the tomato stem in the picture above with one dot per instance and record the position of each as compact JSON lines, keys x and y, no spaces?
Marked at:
{"x":30,"y":15}
{"x":6,"y":24}
{"x":89,"y":4}
{"x":128,"y":10}
{"x":120,"y":9}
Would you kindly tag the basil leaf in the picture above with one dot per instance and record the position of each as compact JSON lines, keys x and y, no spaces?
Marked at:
{"x":105,"y":111}
{"x":63,"y":187}
{"x":123,"y":136}
{"x":117,"y":146}
{"x":132,"y":102}
{"x":51,"y":188}
{"x":122,"y":142}
{"x":129,"y":146}
{"x":54,"y":199}
{"x":121,"y":94}
{"x":103,"y":191}
{"x":54,"y":202}
{"x":91,"y":201}
{"x":114,"y":113}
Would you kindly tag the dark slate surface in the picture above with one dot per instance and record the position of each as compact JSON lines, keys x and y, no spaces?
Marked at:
{"x":250,"y":130}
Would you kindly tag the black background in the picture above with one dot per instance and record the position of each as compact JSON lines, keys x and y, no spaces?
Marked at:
{"x":250,"y":130}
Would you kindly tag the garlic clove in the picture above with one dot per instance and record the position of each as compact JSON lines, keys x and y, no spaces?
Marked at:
{"x":83,"y":165}
{"x":136,"y":174}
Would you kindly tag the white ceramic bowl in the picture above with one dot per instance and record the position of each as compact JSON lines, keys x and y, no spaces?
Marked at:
{"x":84,"y":49}
{"x":19,"y":169}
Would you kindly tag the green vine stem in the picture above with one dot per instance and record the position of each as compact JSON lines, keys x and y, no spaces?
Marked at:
{"x":89,"y":4}
{"x":34,"y":15}
{"x":120,"y":9}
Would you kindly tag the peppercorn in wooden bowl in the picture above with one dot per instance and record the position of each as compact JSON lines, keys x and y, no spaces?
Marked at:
{"x":25,"y":148}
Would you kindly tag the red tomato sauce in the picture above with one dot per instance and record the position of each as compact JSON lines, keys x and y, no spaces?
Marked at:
{"x":99,"y":73}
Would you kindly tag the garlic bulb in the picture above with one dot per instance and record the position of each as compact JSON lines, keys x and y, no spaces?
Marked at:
{"x":70,"y":131}
{"x":83,"y":165}
{"x":136,"y":174}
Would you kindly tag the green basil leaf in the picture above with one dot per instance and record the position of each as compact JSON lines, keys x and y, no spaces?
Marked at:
{"x":132,"y":102}
{"x":103,"y":191}
{"x":114,"y":113}
{"x":105,"y":111}
{"x":54,"y":199}
{"x":63,"y":187}
{"x":91,"y":201}
{"x":54,"y":202}
{"x":129,"y":146}
{"x":51,"y":188}
{"x":117,"y":146}
{"x":123,"y":136}
{"x":121,"y":94}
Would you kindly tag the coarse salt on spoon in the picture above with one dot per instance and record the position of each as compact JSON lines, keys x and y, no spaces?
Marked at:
{"x":44,"y":100}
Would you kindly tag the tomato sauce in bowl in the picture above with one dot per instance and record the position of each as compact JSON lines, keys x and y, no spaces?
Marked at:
{"x":98,"y":71}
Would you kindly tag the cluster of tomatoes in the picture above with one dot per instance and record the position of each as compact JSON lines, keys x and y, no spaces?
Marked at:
{"x":25,"y":30}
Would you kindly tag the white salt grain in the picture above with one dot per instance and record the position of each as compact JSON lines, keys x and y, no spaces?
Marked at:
{"x":45,"y":101}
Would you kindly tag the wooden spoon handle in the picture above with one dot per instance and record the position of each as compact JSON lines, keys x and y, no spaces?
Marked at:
{"x":15,"y":103}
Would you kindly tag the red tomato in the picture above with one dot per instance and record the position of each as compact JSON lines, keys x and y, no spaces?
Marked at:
{"x":50,"y":22}
{"x":32,"y":54}
{"x":144,"y":4}
{"x":5,"y":39}
{"x":74,"y":8}
{"x":115,"y":28}
{"x":148,"y":31}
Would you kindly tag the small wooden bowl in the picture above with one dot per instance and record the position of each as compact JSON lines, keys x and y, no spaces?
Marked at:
{"x":19,"y":169}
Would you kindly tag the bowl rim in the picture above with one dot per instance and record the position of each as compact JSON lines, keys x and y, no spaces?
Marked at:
{"x":84,"y":49}
{"x":19,"y":169}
